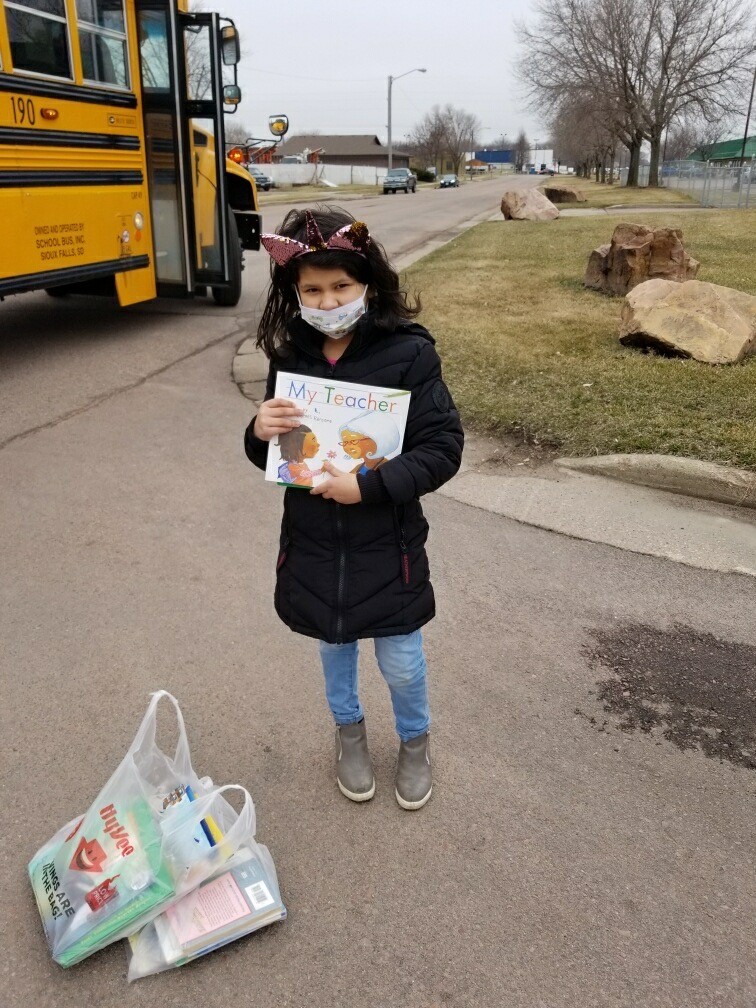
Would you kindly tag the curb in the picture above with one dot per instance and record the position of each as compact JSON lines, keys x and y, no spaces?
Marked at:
{"x":686,"y":476}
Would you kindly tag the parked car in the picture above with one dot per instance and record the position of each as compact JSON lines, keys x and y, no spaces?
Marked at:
{"x":399,"y":178}
{"x":262,"y":181}
{"x":448,"y":182}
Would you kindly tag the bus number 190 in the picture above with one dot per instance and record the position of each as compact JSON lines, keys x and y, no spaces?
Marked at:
{"x":23,"y":111}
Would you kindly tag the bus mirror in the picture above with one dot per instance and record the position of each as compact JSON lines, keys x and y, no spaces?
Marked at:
{"x":278,"y":125}
{"x":230,"y":46}
{"x":231,"y":94}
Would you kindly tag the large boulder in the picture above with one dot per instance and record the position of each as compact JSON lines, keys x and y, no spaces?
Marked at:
{"x":563,"y":194}
{"x":636,"y":254}
{"x":527,"y":204}
{"x":713,"y":324}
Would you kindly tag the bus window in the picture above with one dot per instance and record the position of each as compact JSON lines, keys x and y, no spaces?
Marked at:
{"x":38,"y":35}
{"x":102,"y":34}
{"x":153,"y":51}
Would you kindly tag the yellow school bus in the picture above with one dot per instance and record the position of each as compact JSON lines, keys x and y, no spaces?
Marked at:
{"x":113,"y":174}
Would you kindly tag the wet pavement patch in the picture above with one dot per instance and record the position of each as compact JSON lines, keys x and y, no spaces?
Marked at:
{"x":698,"y":691}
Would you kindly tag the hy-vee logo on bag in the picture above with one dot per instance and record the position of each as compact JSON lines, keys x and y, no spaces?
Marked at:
{"x":89,"y":855}
{"x":116,"y":831}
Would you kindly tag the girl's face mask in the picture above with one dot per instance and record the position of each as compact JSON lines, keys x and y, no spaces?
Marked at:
{"x":335,"y":322}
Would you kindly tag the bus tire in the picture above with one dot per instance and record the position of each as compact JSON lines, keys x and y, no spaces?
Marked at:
{"x":229,"y":296}
{"x":57,"y":292}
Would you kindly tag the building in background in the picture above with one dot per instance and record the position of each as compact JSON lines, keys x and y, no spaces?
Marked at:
{"x":354,"y":149}
{"x":538,"y":158}
{"x":727,"y":151}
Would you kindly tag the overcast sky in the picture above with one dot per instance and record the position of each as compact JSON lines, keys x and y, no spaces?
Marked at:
{"x":326,"y":63}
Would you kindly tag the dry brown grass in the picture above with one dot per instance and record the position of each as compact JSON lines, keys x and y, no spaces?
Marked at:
{"x":601,"y":196}
{"x":528,"y":350}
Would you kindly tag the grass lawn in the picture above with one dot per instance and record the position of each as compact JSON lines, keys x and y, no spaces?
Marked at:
{"x":528,"y":350}
{"x":598,"y":195}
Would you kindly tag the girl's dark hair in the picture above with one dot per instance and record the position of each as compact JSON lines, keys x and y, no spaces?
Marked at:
{"x":389,"y":304}
{"x":291,"y":443}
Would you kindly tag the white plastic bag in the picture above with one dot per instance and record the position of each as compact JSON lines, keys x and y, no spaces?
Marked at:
{"x":240,"y":898}
{"x":154,"y":833}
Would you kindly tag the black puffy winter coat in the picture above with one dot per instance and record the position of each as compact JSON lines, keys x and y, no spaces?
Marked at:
{"x":360,"y":570}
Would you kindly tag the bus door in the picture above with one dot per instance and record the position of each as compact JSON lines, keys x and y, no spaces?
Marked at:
{"x":182,"y":94}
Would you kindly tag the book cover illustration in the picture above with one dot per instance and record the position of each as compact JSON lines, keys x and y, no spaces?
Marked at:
{"x":241,"y":899}
{"x":356,"y":427}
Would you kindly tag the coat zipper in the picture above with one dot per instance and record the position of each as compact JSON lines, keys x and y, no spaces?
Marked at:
{"x":341,"y":585}
{"x":282,"y":555}
{"x":342,"y":576}
{"x":405,"y":560}
{"x":284,"y":547}
{"x":405,"y":557}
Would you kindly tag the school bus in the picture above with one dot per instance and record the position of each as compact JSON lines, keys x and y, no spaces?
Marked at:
{"x":113,"y":167}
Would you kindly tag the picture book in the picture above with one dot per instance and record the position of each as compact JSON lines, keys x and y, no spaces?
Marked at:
{"x":356,"y":427}
{"x":241,"y":899}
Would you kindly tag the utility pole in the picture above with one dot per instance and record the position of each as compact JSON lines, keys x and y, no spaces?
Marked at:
{"x":748,"y":118}
{"x":390,"y":84}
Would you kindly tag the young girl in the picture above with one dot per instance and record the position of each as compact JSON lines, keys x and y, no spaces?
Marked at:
{"x":352,"y":560}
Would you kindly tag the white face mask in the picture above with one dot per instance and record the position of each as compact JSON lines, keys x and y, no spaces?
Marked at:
{"x":335,"y":322}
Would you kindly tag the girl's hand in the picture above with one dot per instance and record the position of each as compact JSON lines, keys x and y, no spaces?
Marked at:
{"x":276,"y":416}
{"x":341,"y":487}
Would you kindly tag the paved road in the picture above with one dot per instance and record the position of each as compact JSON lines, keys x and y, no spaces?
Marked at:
{"x":59,"y":356}
{"x":567,"y":858}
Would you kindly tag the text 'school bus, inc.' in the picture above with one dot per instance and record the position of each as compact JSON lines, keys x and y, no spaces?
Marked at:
{"x":113,"y":172}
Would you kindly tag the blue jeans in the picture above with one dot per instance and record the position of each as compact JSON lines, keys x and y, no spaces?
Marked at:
{"x":402,"y":664}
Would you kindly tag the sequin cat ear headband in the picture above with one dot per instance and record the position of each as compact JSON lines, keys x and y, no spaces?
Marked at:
{"x":352,"y":237}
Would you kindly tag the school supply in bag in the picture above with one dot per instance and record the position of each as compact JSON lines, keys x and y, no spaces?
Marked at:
{"x":242,"y":897}
{"x":106,"y":874}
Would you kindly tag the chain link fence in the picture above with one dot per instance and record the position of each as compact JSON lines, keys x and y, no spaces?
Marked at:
{"x":713,"y":184}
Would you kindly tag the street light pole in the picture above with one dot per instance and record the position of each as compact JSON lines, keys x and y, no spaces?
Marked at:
{"x":390,"y":83}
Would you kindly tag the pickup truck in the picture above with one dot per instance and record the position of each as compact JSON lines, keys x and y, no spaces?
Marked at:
{"x":399,"y":178}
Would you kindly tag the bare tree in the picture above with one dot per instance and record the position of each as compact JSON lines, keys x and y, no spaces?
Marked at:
{"x":699,"y":50}
{"x":588,"y":47}
{"x":236,"y":132}
{"x":445,"y":134}
{"x":582,"y":137}
{"x":427,"y":140}
{"x":648,"y":61}
{"x":687,"y":135}
{"x":521,"y":151}
{"x":461,"y":131}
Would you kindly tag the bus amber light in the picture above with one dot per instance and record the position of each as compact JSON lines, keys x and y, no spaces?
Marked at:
{"x":49,"y":113}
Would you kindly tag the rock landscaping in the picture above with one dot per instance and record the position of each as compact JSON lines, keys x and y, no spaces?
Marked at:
{"x":712,"y":324}
{"x":529,"y":204}
{"x":635,"y":254}
{"x":563,"y":194}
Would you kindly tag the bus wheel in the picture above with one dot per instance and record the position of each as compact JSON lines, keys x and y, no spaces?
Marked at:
{"x":229,"y":296}
{"x":57,"y":292}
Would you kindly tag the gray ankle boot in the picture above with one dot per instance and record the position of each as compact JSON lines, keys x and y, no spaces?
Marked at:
{"x":413,"y":773}
{"x":354,"y":772}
